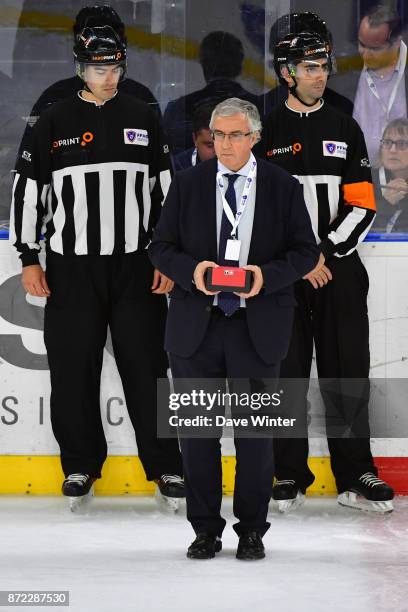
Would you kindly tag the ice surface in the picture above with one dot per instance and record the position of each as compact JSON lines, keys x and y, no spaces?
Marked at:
{"x":127,"y":555}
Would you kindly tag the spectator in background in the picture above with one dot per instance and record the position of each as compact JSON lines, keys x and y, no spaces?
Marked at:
{"x":221,"y":57}
{"x":391,"y":179}
{"x":203,"y":148}
{"x":381,"y":91}
{"x":295,"y":23}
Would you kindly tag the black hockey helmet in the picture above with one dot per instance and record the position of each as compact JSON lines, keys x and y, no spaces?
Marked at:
{"x":295,"y":48}
{"x":99,"y":15}
{"x":98,"y":46}
{"x":295,"y":23}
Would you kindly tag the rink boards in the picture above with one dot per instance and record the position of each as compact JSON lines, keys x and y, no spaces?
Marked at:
{"x":29,"y":461}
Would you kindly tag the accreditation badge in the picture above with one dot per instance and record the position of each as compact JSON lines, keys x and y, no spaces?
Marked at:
{"x":232,"y":250}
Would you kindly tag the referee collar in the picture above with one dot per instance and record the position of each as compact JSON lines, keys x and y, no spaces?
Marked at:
{"x":93,"y":101}
{"x":305,"y":113}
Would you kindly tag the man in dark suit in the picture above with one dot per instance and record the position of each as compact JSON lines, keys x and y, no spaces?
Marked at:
{"x":228,"y":335}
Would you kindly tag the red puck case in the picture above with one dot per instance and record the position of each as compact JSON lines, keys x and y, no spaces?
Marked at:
{"x":225,"y":278}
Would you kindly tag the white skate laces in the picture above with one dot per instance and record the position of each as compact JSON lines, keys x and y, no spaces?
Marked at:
{"x":371,"y":480}
{"x":170,"y":479}
{"x":79,"y":478}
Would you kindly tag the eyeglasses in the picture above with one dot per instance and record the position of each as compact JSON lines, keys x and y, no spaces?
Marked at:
{"x":233,"y":136}
{"x":309,"y":69}
{"x":400,"y":145}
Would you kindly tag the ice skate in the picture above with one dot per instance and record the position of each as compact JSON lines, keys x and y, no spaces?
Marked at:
{"x":170,"y":490}
{"x":288,"y":495}
{"x":369,"y":494}
{"x":79,"y":489}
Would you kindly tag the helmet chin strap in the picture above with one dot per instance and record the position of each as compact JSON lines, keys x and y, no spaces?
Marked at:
{"x":294,"y":93}
{"x":87,"y":88}
{"x":81,"y":76}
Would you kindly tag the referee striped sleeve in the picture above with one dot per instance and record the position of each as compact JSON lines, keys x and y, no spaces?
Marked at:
{"x":347,"y":231}
{"x":27,"y":216}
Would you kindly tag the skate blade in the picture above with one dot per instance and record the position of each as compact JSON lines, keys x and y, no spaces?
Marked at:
{"x":169,"y":504}
{"x":288,"y":505}
{"x":80,"y":505}
{"x":349,"y":499}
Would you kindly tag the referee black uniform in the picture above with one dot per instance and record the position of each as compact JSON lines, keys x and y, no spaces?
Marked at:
{"x":68,"y":87}
{"x":92,"y":183}
{"x":325,"y":150}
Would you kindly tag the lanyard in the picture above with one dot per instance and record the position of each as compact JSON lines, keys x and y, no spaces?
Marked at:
{"x":392,"y":221}
{"x":383,"y":179}
{"x":401,"y":70}
{"x":194,"y":158}
{"x":244,"y":198}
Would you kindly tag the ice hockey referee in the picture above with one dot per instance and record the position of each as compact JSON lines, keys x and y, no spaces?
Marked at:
{"x":92,"y":184}
{"x":325,"y":149}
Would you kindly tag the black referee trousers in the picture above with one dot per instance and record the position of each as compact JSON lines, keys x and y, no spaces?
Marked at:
{"x":335,"y":318}
{"x":88,"y":294}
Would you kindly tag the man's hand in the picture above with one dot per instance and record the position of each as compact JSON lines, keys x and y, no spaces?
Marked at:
{"x":320,"y":275}
{"x":257,"y":283}
{"x":397,"y":190}
{"x":161,"y":283}
{"x":198,"y":276}
{"x":34,"y":282}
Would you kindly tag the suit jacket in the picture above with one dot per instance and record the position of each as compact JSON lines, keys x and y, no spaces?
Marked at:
{"x":182,"y":160}
{"x":282,"y":244}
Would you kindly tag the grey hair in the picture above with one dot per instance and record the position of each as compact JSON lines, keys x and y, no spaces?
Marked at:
{"x":383,"y":13}
{"x":233,"y":106}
